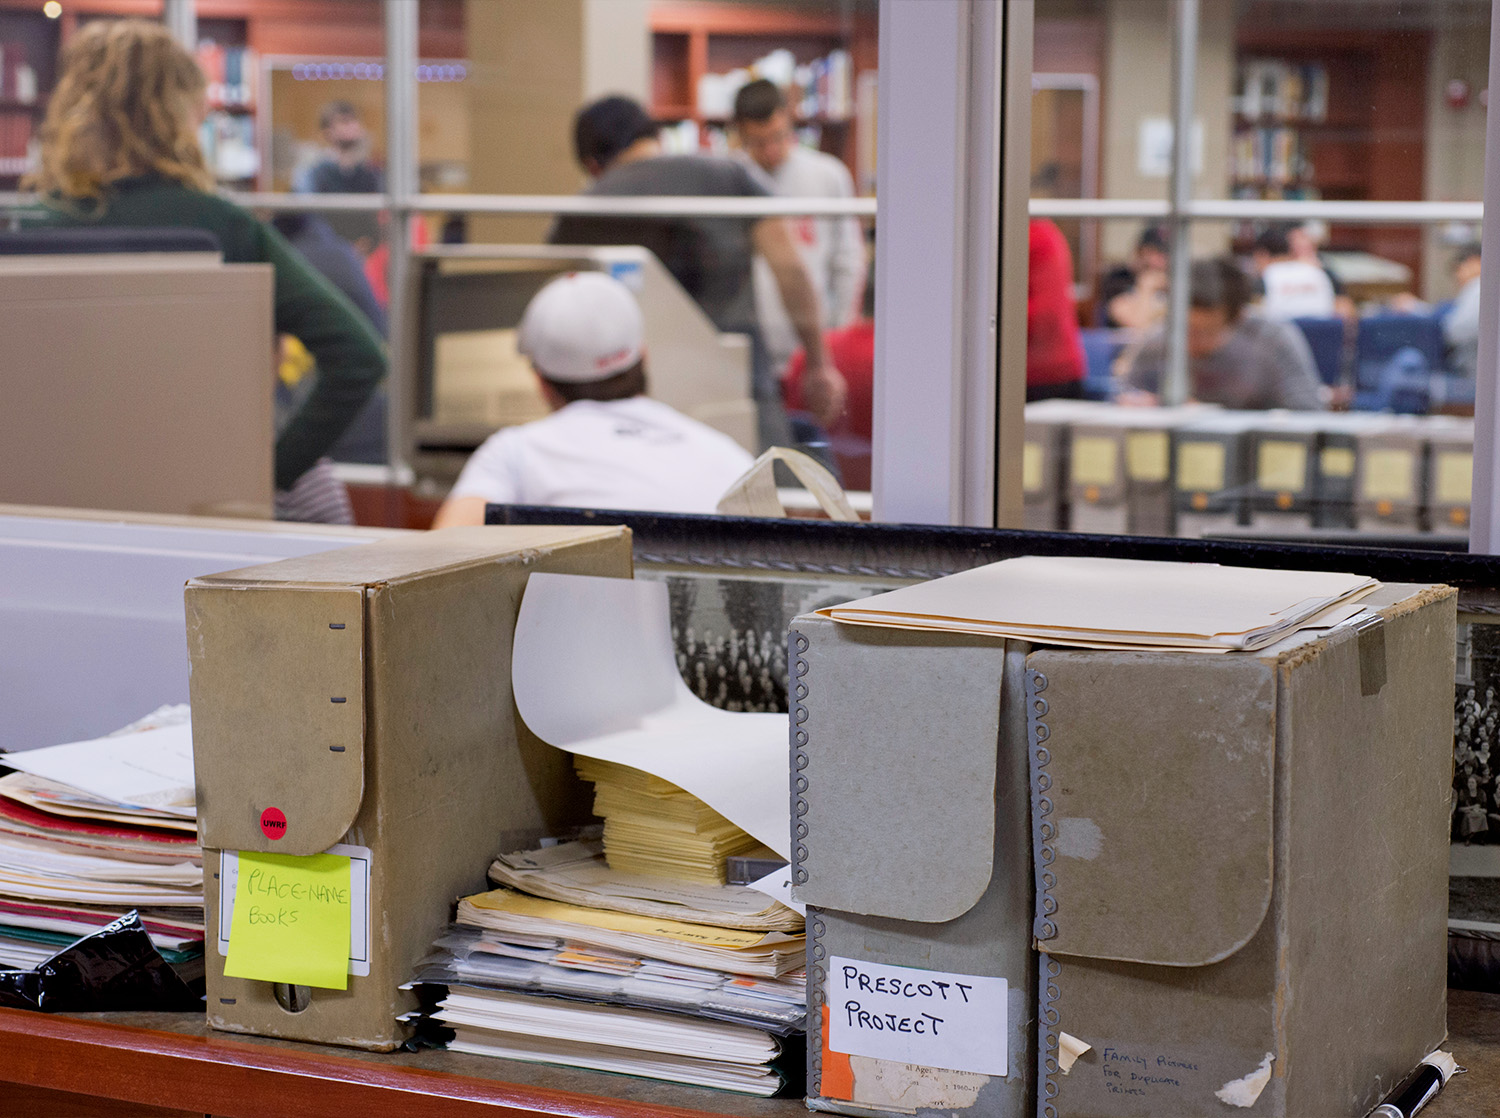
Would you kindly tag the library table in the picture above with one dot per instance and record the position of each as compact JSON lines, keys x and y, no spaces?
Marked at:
{"x":160,"y":1065}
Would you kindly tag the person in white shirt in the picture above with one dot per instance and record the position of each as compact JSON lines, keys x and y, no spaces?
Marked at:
{"x":832,"y":248}
{"x":1461,"y":323}
{"x":606,"y":445}
{"x":1293,"y":288}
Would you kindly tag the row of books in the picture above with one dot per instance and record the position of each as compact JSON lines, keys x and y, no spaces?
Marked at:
{"x":229,"y":146}
{"x":18,"y":81}
{"x":17,"y":143}
{"x":686,"y":137}
{"x":75,"y":854}
{"x":1256,"y":190}
{"x":822,"y":89}
{"x":231,"y":74}
{"x":1273,"y":155}
{"x":627,"y":954}
{"x":1281,"y":90}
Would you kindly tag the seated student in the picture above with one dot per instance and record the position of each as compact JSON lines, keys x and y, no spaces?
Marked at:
{"x":1132,"y":296}
{"x":605,"y":445}
{"x":1238,"y":359}
{"x":1293,"y":288}
{"x":1306,"y":242}
{"x":1461,"y":323}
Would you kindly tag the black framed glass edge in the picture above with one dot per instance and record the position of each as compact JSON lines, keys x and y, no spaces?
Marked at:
{"x":922,"y":551}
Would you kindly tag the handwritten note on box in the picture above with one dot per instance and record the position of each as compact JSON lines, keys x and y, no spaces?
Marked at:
{"x":926,"y":1017}
{"x":291,"y":920}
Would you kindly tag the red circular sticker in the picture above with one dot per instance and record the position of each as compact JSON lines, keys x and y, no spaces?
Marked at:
{"x":273,"y":823}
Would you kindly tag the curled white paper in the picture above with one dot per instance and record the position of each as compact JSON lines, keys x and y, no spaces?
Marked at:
{"x":1069,"y":1048}
{"x":594,"y":672}
{"x":1245,"y":1090}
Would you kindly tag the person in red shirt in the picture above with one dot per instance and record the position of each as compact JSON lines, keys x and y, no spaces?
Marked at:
{"x":1054,"y":348}
{"x":851,"y":349}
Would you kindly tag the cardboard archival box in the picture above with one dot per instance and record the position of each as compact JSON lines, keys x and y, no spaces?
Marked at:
{"x":910,"y":844}
{"x":1241,"y":855}
{"x":365,"y":694}
{"x":1242,"y":867}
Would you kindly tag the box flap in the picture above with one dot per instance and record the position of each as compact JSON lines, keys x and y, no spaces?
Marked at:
{"x":278,"y":696}
{"x":894,"y":746}
{"x":1155,"y":784}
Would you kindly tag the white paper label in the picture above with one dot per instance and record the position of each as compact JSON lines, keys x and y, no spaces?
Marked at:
{"x":926,"y":1017}
{"x":359,"y":895}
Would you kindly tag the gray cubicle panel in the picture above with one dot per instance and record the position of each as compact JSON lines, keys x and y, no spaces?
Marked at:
{"x":91,"y":611}
{"x":136,"y":381}
{"x":473,"y":296}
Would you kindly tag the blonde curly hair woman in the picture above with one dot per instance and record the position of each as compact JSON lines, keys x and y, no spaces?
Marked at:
{"x":120,"y":148}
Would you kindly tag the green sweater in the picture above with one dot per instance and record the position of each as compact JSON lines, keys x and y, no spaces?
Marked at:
{"x":349,"y":353}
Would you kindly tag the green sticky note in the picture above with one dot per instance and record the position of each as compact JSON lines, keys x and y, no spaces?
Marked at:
{"x":291,"y":920}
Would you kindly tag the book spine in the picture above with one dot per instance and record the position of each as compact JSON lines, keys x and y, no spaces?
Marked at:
{"x":797,"y":645}
{"x":1043,"y":831}
{"x":1048,"y":969}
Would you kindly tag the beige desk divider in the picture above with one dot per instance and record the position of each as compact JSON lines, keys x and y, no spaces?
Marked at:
{"x":362,"y":697}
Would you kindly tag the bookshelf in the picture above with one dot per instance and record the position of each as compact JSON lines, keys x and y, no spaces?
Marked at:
{"x":1277,"y":106}
{"x":1337,"y":116}
{"x":28,"y":55}
{"x":700,"y":50}
{"x":234,"y":38}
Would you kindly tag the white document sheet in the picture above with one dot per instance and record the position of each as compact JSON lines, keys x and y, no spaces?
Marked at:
{"x":149,"y":768}
{"x":1114,"y":603}
{"x":594,"y":672}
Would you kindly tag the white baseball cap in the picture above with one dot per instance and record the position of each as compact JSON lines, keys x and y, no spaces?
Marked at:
{"x":582,"y":327}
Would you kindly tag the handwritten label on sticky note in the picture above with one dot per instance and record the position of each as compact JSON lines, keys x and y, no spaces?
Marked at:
{"x":931,"y":1018}
{"x":291,"y":920}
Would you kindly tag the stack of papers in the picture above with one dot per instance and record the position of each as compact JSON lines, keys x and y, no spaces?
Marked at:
{"x":640,"y":977}
{"x":767,"y":954}
{"x":1118,"y":604}
{"x":644,"y":962}
{"x":577,"y":873}
{"x":91,"y":830}
{"x":606,"y":1038}
{"x":653,"y":827}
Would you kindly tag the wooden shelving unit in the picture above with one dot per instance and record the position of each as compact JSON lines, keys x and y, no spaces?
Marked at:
{"x":314,"y":28}
{"x":693,"y":38}
{"x":1369,"y":142}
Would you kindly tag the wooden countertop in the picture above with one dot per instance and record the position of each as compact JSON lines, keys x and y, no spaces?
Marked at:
{"x":161,"y":1065}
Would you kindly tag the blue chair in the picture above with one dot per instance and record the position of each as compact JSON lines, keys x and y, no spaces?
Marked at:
{"x":1100,"y":348}
{"x":1325,"y":337}
{"x":1403,"y":385}
{"x":1382,"y":336}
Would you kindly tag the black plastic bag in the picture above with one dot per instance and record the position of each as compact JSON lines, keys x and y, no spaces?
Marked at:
{"x":115,"y":968}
